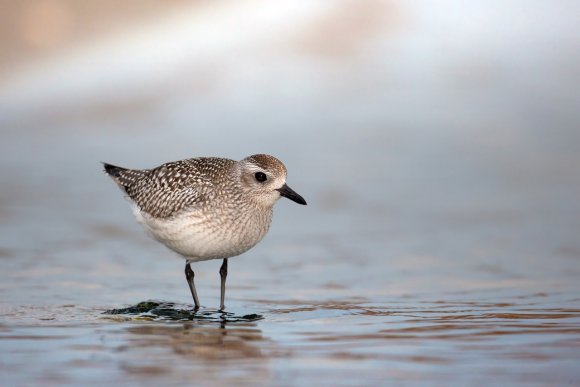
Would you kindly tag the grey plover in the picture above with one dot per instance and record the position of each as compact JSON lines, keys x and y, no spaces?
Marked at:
{"x":207,"y":207}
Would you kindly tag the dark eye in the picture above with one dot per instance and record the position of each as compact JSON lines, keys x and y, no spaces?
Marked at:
{"x":261,"y":176}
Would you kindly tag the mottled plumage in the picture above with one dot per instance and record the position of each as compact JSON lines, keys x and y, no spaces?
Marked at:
{"x":164,"y":191}
{"x":206,"y":208}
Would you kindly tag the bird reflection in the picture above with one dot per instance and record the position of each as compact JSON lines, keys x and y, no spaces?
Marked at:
{"x":189,"y":333}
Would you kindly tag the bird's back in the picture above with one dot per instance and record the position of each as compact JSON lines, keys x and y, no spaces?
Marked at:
{"x":167,"y":190}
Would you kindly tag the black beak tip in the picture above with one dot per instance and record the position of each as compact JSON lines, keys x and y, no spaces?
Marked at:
{"x":289,"y":193}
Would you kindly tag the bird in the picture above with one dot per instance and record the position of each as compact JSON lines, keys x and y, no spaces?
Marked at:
{"x":206,"y":208}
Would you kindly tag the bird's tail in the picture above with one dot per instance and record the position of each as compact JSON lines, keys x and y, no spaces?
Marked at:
{"x":124,"y":177}
{"x":113,"y":170}
{"x":116,"y":173}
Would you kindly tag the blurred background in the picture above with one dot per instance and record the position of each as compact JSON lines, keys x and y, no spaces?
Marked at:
{"x":437,"y":145}
{"x":431,"y":122}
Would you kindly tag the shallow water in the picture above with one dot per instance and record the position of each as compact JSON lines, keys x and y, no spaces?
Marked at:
{"x":440,"y":241}
{"x":522,"y":339}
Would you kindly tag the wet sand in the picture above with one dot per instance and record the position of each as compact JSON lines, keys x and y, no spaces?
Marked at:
{"x":440,"y":241}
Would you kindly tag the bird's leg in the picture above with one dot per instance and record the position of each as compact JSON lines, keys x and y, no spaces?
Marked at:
{"x":189,"y":276}
{"x":223,"y":275}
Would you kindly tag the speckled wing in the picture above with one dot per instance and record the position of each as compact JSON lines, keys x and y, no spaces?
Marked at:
{"x":166,"y":190}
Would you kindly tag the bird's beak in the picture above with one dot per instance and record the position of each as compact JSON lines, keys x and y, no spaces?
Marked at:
{"x":289,"y":193}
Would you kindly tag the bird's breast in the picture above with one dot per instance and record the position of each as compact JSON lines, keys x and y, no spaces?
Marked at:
{"x":202,"y":235}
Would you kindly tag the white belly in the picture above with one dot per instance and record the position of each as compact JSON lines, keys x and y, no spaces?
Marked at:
{"x":198,"y":239}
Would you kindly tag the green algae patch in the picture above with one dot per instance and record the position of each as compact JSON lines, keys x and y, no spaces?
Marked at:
{"x":142,"y":307}
{"x":154,"y":310}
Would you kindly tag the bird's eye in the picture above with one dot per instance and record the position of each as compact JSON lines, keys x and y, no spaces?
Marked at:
{"x":261,"y":176}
